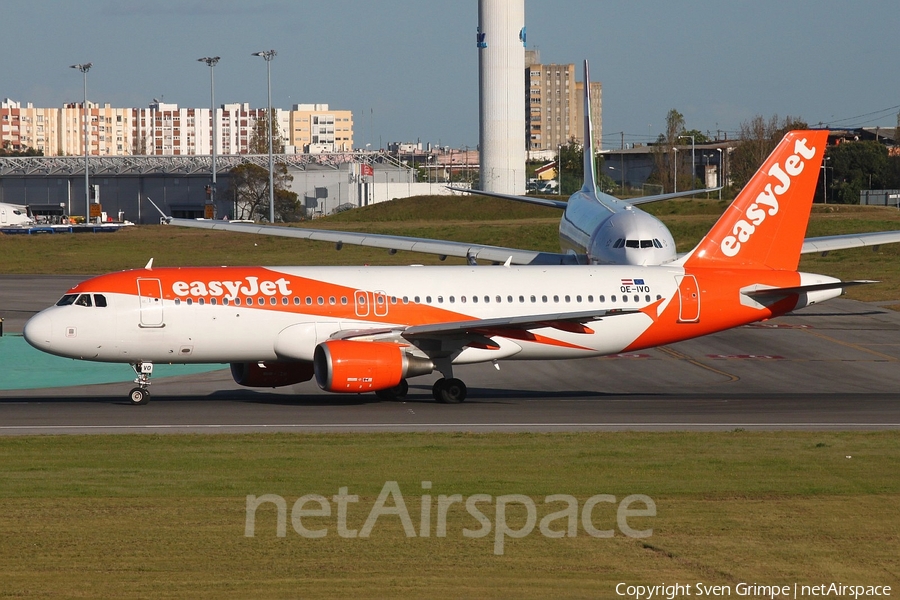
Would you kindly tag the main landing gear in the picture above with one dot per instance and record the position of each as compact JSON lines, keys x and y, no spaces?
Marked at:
{"x":398,"y":392}
{"x":140,"y":394}
{"x":449,"y":391}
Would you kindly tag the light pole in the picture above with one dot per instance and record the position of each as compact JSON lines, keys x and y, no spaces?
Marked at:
{"x":693,"y":162}
{"x":84,"y":68}
{"x":675,"y":150}
{"x":825,"y":168}
{"x":721,"y":174}
{"x":211,"y":61}
{"x":268,"y":55}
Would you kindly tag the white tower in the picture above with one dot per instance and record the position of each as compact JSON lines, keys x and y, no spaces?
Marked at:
{"x":501,"y":91}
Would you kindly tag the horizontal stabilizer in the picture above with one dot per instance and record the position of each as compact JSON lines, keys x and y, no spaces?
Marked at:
{"x":670,"y":196}
{"x":560,"y":204}
{"x":760,"y":293}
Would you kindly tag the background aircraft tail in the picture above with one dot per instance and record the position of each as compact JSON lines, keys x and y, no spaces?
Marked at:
{"x":590,"y":169}
{"x":765,"y":225}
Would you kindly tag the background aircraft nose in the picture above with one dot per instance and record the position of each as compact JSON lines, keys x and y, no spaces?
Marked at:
{"x":37,"y":331}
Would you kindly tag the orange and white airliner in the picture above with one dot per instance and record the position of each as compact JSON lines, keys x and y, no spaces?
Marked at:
{"x":368,"y":329}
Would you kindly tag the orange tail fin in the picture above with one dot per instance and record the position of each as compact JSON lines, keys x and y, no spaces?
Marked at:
{"x":765,"y":225}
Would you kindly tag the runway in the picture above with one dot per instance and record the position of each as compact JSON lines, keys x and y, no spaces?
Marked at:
{"x":833,"y":367}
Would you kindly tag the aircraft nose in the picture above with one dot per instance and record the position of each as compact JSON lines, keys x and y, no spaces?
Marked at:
{"x":38,"y":330}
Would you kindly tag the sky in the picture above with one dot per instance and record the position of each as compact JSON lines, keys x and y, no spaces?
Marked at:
{"x":408,"y":69}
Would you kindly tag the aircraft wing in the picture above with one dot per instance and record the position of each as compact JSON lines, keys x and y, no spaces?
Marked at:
{"x":444,"y":248}
{"x":562,"y":205}
{"x":572,"y":322}
{"x":851,"y":240}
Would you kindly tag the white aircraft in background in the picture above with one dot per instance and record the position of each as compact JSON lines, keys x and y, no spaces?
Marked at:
{"x":14,"y":214}
{"x":368,"y":329}
{"x":595,"y":228}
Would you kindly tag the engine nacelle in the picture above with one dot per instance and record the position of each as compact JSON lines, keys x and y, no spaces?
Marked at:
{"x":271,"y":373}
{"x":350,"y":367}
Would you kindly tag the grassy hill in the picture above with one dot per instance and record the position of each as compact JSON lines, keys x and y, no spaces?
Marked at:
{"x":461,"y":218}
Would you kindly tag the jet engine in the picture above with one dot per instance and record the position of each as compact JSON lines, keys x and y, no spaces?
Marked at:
{"x":271,"y":373}
{"x":346,"y":366}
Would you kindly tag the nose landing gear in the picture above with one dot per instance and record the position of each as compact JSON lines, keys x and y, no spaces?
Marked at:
{"x":140,"y":394}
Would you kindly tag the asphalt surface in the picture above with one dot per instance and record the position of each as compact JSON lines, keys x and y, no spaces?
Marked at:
{"x":833,"y":366}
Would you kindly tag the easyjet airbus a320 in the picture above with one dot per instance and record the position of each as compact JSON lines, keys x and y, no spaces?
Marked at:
{"x":368,"y":329}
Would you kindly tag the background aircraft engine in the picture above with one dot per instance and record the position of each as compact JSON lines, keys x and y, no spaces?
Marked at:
{"x":352,"y":367}
{"x":271,"y":373}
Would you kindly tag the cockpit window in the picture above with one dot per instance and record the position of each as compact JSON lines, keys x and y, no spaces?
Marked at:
{"x":67,"y":300}
{"x":657,"y":243}
{"x":646,"y":243}
{"x":633,"y":244}
{"x":100,"y":300}
{"x":619,"y":243}
{"x":84,"y":300}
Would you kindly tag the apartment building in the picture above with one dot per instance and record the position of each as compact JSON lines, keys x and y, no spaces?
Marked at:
{"x":164,"y":129}
{"x":554,"y":109}
{"x":314,"y":129}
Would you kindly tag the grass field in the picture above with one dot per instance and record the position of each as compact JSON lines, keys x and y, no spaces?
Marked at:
{"x":143,"y":516}
{"x":164,"y":516}
{"x":469,"y":219}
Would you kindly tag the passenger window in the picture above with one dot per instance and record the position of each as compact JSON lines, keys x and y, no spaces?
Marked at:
{"x":201,"y":302}
{"x":521,"y":299}
{"x":590,"y":298}
{"x":83,"y":300}
{"x":100,"y":300}
{"x":320,"y":300}
{"x":543,"y":298}
{"x":533,"y":299}
{"x":612,"y":298}
{"x":393,"y":299}
{"x":250,"y":302}
{"x":647,"y":298}
{"x":440,"y":299}
{"x":474,"y":299}
{"x":284,"y":301}
{"x":177,"y":302}
{"x":224,"y":301}
{"x":577,"y":299}
{"x":190,"y":301}
{"x":273,"y":301}
{"x":213,"y":301}
{"x":556,"y":298}
{"x":296,"y":300}
{"x":344,"y":300}
{"x":428,"y":299}
{"x":332,"y":301}
{"x":637,"y":298}
{"x":237,"y":301}
{"x":602,"y":298}
{"x":452,"y":299}
{"x":416,"y":300}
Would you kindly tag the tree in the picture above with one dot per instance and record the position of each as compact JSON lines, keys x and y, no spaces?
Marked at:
{"x":7,"y":150}
{"x":259,"y":143}
{"x":757,"y":138}
{"x":663,"y":153}
{"x":856,"y":166}
{"x":571,"y":159}
{"x":249,"y":188}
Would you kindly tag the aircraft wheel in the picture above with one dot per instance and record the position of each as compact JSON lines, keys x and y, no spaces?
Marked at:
{"x":449,"y":391}
{"x":139,"y":396}
{"x":398,"y":392}
{"x":437,"y":388}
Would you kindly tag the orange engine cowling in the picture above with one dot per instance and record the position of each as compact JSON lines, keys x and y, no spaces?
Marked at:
{"x":271,"y":373}
{"x":350,"y":367}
